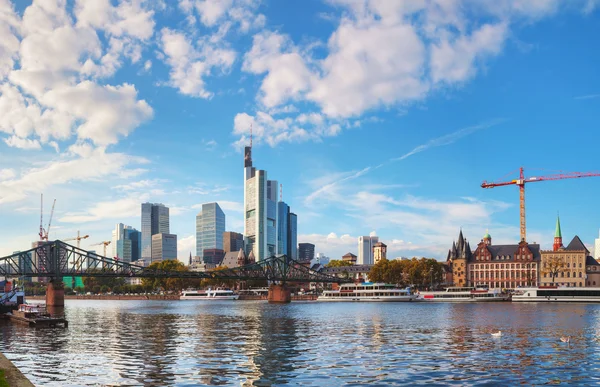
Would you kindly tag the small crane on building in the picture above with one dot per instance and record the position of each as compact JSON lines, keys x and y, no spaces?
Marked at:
{"x":44,"y":233}
{"x":77,"y":238}
{"x":522,"y":180}
{"x":104,"y":243}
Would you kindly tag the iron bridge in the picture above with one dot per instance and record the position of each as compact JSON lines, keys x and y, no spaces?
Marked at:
{"x":55,"y":260}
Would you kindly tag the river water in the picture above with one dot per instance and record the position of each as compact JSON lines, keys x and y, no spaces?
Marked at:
{"x":252,"y":343}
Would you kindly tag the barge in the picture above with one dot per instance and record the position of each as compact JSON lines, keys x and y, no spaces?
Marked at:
{"x":36,"y":316}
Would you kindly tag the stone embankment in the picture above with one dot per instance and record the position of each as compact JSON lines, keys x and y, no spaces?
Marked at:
{"x":12,"y":376}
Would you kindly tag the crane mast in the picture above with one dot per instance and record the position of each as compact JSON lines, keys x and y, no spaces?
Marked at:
{"x":522,"y":180}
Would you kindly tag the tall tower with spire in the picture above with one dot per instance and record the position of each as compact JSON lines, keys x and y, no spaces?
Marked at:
{"x":557,"y":236}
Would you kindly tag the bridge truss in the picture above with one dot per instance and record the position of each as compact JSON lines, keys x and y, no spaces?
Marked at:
{"x":55,"y":260}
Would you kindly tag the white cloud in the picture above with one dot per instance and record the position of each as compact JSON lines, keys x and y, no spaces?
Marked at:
{"x":185,"y":246}
{"x":224,"y":13}
{"x":88,"y":164}
{"x":7,"y":173}
{"x":9,"y":43}
{"x":140,"y":185}
{"x":22,"y":143}
{"x":113,"y":209}
{"x":231,"y":206}
{"x":190,"y":64}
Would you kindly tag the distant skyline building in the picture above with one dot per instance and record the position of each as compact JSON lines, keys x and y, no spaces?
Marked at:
{"x":210,"y":226}
{"x":232,"y":241}
{"x":262,"y":226}
{"x":379,"y":252}
{"x":164,"y":247}
{"x":155,"y":220}
{"x":321,"y":259}
{"x":127,"y":243}
{"x":365,"y":249}
{"x":597,"y":248}
{"x":306,"y":252}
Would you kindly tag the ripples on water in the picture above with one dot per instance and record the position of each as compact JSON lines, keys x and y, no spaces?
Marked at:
{"x":191,"y":343}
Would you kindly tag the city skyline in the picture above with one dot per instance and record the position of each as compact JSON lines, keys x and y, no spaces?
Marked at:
{"x":156,"y":103}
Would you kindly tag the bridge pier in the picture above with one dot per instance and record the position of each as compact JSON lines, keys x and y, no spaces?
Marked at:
{"x":55,"y":294}
{"x":279,"y":294}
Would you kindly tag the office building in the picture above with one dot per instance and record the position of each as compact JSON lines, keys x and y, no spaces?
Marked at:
{"x":379,"y":252}
{"x":365,"y":249}
{"x":127,"y":243}
{"x":232,"y":242}
{"x":283,"y":216}
{"x":321,"y":259}
{"x":306,"y":252}
{"x":210,"y":226}
{"x":597,"y":248}
{"x":262,"y":226}
{"x":164,"y":247}
{"x":155,"y":220}
{"x":213,"y":256}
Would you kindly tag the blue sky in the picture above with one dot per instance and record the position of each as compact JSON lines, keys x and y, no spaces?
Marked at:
{"x":376,"y":116}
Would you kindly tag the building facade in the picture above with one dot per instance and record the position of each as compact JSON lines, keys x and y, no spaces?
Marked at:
{"x":164,"y":247}
{"x":232,"y":241}
{"x":127,"y":243}
{"x":497,"y":266}
{"x":306,"y":252}
{"x":365,"y":249}
{"x":155,"y":220}
{"x":597,"y":248}
{"x":210,"y":227}
{"x":379,"y":252}
{"x":213,"y":256}
{"x":349,"y":257}
{"x":262,"y":226}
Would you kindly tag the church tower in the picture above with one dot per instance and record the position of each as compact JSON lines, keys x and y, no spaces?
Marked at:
{"x":487,"y":238}
{"x":557,"y":236}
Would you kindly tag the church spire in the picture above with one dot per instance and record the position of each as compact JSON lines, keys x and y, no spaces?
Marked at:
{"x":557,"y":236}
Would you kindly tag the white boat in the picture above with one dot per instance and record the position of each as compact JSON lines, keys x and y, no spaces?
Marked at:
{"x":556,"y":294}
{"x":368,"y":292}
{"x":463,"y":294}
{"x":12,"y":297}
{"x":210,"y":294}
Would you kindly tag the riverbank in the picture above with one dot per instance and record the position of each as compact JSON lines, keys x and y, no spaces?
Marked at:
{"x":304,"y":297}
{"x":12,"y":376}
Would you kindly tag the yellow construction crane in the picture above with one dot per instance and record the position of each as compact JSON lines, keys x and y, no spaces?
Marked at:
{"x":77,"y":238}
{"x":104,"y":243}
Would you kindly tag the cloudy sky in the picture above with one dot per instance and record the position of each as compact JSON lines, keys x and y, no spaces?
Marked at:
{"x":375,"y":115}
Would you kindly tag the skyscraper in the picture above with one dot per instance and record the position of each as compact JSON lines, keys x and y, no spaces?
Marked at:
{"x":210,"y":226}
{"x":232,"y":242}
{"x":597,"y":248}
{"x":365,"y":249}
{"x":262,"y":226}
{"x":155,"y":220}
{"x":126,"y":242}
{"x":164,"y":247}
{"x":306,"y":252}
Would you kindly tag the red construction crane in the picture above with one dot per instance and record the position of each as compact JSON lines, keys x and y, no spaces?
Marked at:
{"x":521,"y":184}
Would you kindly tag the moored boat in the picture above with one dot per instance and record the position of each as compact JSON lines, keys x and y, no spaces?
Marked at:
{"x":35,"y":315}
{"x":556,"y":294}
{"x":368,"y":292}
{"x":210,"y":294}
{"x":464,"y":294}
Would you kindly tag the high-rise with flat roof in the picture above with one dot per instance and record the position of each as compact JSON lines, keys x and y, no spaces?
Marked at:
{"x":365,"y":249}
{"x":210,"y":226}
{"x":306,"y":252}
{"x":232,"y":242}
{"x":164,"y":247}
{"x":126,"y":242}
{"x":155,"y":220}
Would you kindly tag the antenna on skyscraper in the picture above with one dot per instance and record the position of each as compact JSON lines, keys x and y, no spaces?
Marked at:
{"x":250,"y":135}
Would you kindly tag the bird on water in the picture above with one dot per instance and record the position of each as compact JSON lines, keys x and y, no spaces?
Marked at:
{"x":565,"y":339}
{"x":497,"y":334}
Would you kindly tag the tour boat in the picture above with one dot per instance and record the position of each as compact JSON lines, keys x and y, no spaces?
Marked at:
{"x":368,"y":292}
{"x":463,"y":294}
{"x":556,"y":294}
{"x":210,"y":294}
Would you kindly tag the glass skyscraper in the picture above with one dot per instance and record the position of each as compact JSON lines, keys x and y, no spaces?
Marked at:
{"x":210,"y":226}
{"x":127,"y":243}
{"x":155,"y":220}
{"x":283,"y":214}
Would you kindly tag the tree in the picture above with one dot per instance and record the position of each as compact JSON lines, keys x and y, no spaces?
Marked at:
{"x":554,"y":266}
{"x":338,"y":263}
{"x":167,"y":284}
{"x":104,"y":289}
{"x":79,"y":290}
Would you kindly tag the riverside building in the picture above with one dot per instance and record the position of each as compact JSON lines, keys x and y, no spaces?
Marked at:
{"x":155,"y":220}
{"x":210,"y":227}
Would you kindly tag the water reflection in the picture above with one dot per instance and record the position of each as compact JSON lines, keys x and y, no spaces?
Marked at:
{"x":160,"y":343}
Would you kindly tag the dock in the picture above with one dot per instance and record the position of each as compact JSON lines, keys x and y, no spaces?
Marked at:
{"x":36,"y":316}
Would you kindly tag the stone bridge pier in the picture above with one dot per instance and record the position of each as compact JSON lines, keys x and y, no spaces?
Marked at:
{"x":55,"y":294}
{"x":279,"y":294}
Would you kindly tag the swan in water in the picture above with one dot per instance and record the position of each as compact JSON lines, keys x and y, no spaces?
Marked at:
{"x":565,"y":339}
{"x":497,"y":334}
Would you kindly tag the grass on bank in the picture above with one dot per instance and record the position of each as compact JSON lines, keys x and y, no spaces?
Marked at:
{"x":3,"y":382}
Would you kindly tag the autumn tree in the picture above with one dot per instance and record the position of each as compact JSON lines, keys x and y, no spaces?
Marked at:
{"x":168,"y":284}
{"x":553,"y":266}
{"x":338,"y":263}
